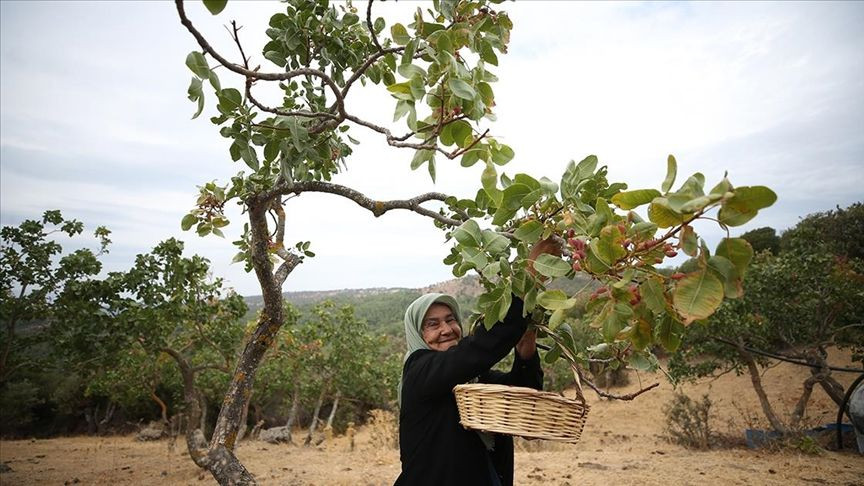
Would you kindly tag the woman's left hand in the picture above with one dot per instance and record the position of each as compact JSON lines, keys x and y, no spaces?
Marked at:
{"x":527,"y":346}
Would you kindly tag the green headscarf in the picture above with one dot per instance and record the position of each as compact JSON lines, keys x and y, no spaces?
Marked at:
{"x":414,"y":315}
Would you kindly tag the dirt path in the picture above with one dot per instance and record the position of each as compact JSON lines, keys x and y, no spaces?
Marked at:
{"x":622,"y":443}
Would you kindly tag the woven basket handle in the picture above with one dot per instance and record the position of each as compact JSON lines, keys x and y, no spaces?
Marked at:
{"x":579,"y":393}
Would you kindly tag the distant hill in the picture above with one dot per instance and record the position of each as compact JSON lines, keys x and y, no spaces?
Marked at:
{"x":384,"y":307}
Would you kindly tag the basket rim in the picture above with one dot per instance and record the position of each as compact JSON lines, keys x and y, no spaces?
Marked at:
{"x":493,"y":389}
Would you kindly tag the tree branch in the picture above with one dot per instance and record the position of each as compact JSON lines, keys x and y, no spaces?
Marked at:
{"x":254,"y":74}
{"x":783,"y":358}
{"x":369,"y":26}
{"x":376,"y":207}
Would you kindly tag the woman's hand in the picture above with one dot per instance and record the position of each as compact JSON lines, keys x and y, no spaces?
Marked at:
{"x":527,"y":346}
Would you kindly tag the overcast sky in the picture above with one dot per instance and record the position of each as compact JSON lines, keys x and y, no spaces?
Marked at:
{"x":95,"y":120}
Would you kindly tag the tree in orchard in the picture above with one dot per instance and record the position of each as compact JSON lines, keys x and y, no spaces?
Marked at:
{"x":174,"y":308}
{"x":444,"y":92}
{"x":799,"y":303}
{"x":39,"y":285}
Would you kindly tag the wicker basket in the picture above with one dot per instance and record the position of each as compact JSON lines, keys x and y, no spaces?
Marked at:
{"x":520,"y":411}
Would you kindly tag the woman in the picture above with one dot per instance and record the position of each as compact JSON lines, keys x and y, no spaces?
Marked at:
{"x":434,"y":448}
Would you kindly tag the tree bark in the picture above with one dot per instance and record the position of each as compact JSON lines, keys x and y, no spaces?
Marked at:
{"x":203,"y":407}
{"x":314,"y":423}
{"x":162,"y":407}
{"x":295,"y":407}
{"x":109,"y":412}
{"x":243,"y":418}
{"x":221,"y":461}
{"x":756,"y":379}
{"x":801,"y":406}
{"x":91,"y":422}
{"x":333,"y":409}
{"x":191,"y":398}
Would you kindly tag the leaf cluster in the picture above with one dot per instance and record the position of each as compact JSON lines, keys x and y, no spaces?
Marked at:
{"x":635,"y":305}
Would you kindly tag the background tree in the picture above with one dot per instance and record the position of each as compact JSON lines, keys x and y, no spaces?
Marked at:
{"x":797,"y":304}
{"x":763,"y":239}
{"x":175,"y":308}
{"x":33,"y":272}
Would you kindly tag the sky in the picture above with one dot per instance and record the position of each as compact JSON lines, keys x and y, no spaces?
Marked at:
{"x":94,"y":121}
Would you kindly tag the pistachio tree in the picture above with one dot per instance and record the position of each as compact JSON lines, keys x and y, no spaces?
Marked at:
{"x":438,"y":67}
{"x":634,"y":305}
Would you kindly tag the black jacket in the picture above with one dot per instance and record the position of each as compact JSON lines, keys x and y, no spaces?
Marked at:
{"x":434,"y":448}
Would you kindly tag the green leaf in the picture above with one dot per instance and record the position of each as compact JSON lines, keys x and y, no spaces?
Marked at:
{"x":495,"y":305}
{"x":609,"y":247}
{"x":196,"y":93}
{"x":553,"y":354}
{"x":230,"y":99}
{"x":651,"y":291}
{"x":400,"y":34}
{"x":587,"y":166}
{"x":669,"y":333}
{"x":634,"y":199}
{"x":461,"y":89}
{"x":671,"y":173}
{"x":549,"y":187}
{"x":461,"y":133}
{"x":476,"y":257}
{"x":745,"y":204}
{"x":513,"y":195}
{"x":695,"y":204}
{"x":662,"y":215}
{"x":379,"y":25}
{"x":502,"y":154}
{"x":640,"y":334}
{"x":529,"y":231}
{"x":420,"y":156}
{"x":736,"y":250}
{"x":555,"y":300}
{"x":551,"y":266}
{"x":215,"y":6}
{"x":188,"y":221}
{"x":350,"y":19}
{"x":722,"y":187}
{"x":198,"y":64}
{"x":249,"y":156}
{"x":727,"y":273}
{"x":489,"y":179}
{"x":697,"y":295}
{"x":468,"y":234}
{"x":494,"y":243}
{"x":689,"y":242}
{"x":502,"y":215}
{"x":557,"y":318}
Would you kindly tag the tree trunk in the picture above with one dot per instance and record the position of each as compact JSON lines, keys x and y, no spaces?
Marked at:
{"x":756,"y":379}
{"x":333,"y":409}
{"x":203,"y":407}
{"x":801,"y":406}
{"x":91,"y":421}
{"x":295,"y":407}
{"x":191,"y":398}
{"x":109,"y":412}
{"x":314,"y":423}
{"x":221,"y":461}
{"x":162,"y":407}
{"x":244,"y":418}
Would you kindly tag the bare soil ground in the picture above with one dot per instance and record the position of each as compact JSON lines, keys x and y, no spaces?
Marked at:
{"x":623,"y":443}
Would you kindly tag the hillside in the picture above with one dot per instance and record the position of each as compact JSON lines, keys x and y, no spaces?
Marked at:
{"x":384,"y":307}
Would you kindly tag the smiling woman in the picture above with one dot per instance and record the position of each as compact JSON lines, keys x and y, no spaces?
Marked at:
{"x":434,"y":447}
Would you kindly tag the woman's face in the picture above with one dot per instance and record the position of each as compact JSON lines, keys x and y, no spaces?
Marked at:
{"x":440,"y":328}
